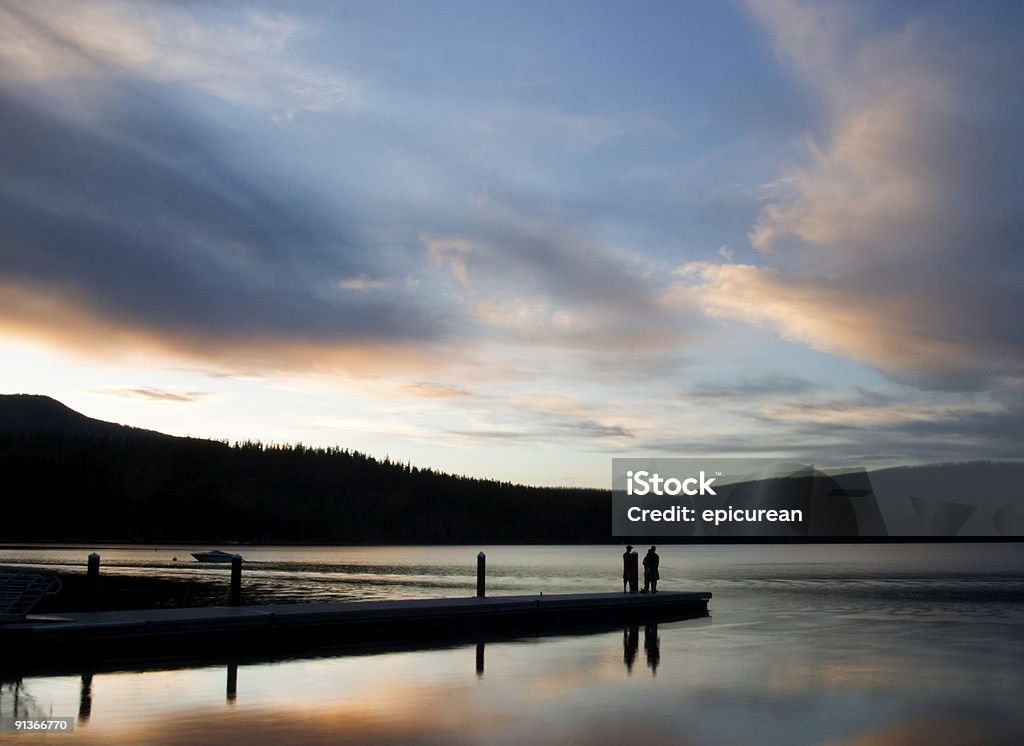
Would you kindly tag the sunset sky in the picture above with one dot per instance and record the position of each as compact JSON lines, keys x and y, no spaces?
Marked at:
{"x":516,"y":239}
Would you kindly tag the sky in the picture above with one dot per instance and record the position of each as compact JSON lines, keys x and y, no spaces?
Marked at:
{"x":516,"y":240}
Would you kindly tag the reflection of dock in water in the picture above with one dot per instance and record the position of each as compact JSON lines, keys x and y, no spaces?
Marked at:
{"x":15,"y":697}
{"x":17,"y":703}
{"x":62,"y":641}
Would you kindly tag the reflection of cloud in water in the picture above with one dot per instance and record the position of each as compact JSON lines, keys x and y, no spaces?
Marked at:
{"x":797,"y":676}
{"x":570,"y":691}
{"x":966,"y":728}
{"x":830,"y":644}
{"x":342,"y":725}
{"x":347,"y":725}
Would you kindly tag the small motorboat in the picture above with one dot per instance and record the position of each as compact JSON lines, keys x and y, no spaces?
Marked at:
{"x":215,"y":555}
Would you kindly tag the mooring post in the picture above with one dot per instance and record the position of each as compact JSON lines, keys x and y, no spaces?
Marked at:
{"x":235,"y":597}
{"x":481,"y":571}
{"x":92,"y":585}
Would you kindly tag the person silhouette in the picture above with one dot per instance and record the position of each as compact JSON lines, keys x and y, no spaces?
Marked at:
{"x":651,"y":574}
{"x":630,"y":569}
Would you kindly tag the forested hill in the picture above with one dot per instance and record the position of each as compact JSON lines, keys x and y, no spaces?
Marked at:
{"x":68,"y":477}
{"x":27,"y":413}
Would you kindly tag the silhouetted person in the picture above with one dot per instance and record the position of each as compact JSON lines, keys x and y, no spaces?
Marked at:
{"x":651,"y":574}
{"x":630,"y":569}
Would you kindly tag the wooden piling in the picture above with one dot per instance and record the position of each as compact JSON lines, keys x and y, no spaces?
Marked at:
{"x":235,"y":596}
{"x":93,"y":582}
{"x":481,"y":571}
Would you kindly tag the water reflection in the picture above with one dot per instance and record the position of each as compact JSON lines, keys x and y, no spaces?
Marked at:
{"x":232,"y":686}
{"x":408,"y":695}
{"x":652,"y":646}
{"x":17,"y":701}
{"x":798,"y":654}
{"x":85,"y":699}
{"x":631,"y":645}
{"x":573,"y":689}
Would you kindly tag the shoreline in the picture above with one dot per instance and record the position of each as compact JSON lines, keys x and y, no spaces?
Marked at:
{"x":618,"y":541}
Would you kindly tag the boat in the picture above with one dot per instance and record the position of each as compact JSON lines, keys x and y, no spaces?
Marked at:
{"x":215,"y":555}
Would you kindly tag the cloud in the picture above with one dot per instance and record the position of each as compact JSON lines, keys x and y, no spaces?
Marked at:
{"x":235,"y":56}
{"x":894,"y":240}
{"x":752,"y":387}
{"x":139,"y":226}
{"x":569,"y":131}
{"x":362,"y":282}
{"x":594,"y":429}
{"x":134,"y":219}
{"x":865,"y":414}
{"x":140,"y":217}
{"x":903,"y":334}
{"x":69,"y":322}
{"x":548,"y":283}
{"x":434,"y":390}
{"x":897,"y":423}
{"x":450,"y":253}
{"x":549,"y":432}
{"x":164,"y":395}
{"x":852,"y":431}
{"x":525,"y":316}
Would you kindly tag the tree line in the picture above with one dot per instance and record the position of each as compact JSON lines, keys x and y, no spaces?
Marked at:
{"x":152,"y":488}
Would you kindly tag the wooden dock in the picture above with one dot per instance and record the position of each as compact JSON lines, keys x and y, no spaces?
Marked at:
{"x":78,"y":638}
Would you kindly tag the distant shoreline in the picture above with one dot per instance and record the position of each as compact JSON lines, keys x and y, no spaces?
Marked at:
{"x":665,"y":540}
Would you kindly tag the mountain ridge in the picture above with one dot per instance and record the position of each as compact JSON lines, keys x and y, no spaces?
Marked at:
{"x":72,"y":477}
{"x":36,"y":413}
{"x":69,"y":477}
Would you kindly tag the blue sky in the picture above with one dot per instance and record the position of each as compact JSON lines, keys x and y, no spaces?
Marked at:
{"x":517,"y":239}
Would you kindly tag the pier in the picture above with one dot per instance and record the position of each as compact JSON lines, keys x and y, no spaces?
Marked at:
{"x":57,"y":641}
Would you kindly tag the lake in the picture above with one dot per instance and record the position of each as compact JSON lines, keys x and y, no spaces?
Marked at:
{"x":820,"y":644}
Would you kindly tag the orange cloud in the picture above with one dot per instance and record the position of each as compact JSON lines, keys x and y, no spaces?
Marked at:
{"x":890,"y":247}
{"x":60,"y":319}
{"x":891,"y":331}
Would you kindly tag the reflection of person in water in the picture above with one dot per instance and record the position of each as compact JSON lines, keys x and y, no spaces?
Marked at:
{"x":630,"y":569}
{"x":652,"y":646}
{"x":651,"y":574}
{"x":630,"y":644}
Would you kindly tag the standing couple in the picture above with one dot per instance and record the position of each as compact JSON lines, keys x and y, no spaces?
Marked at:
{"x":631,"y":570}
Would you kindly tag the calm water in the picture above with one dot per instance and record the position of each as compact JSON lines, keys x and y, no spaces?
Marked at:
{"x":895,"y":644}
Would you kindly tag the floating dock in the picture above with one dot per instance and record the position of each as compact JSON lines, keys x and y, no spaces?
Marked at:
{"x":33,"y":643}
